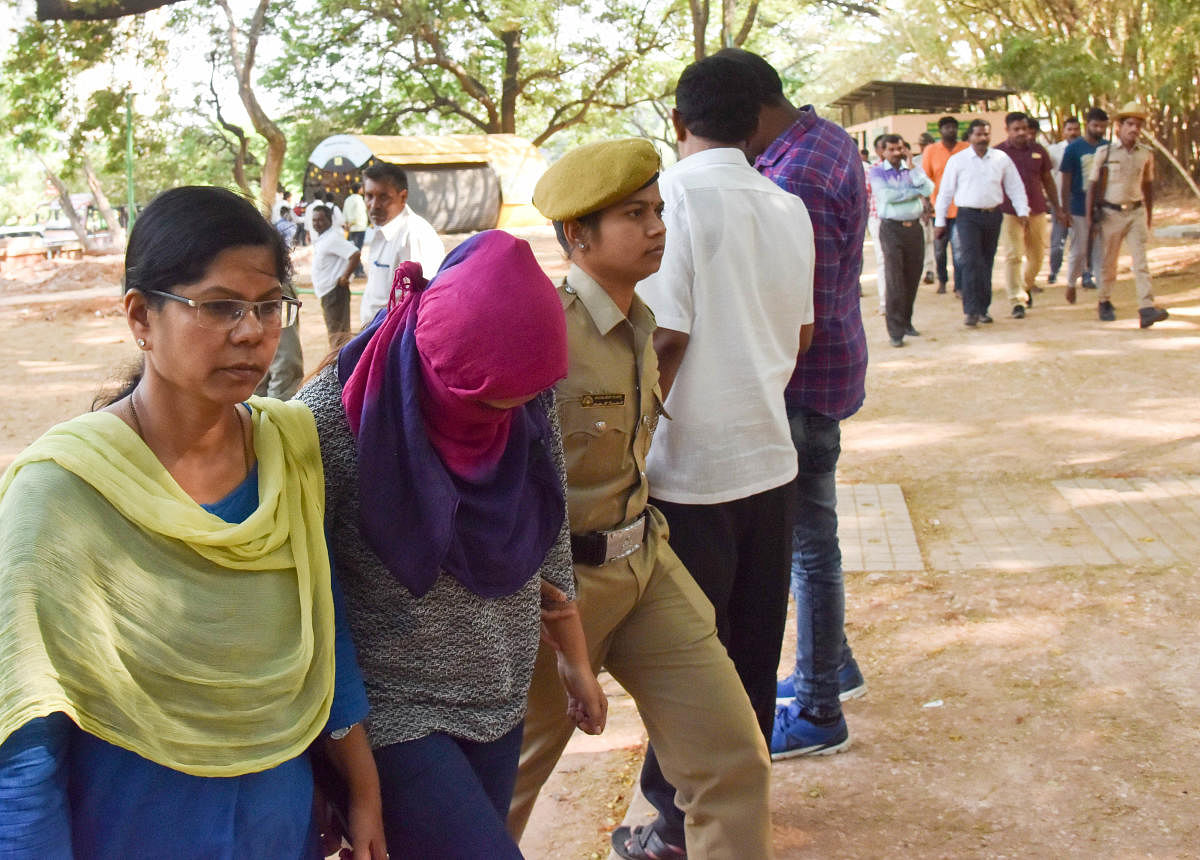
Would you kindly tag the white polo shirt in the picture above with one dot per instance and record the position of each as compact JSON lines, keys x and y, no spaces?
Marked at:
{"x":331,"y":250}
{"x":408,"y":236}
{"x":737,"y":278}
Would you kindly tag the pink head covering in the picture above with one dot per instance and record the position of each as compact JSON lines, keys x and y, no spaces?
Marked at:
{"x":489,"y":328}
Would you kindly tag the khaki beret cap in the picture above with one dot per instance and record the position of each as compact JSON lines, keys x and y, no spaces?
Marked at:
{"x":1132,"y":109}
{"x":594,"y":176}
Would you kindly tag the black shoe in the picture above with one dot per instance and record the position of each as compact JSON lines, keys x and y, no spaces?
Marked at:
{"x":897,"y":341}
{"x":986,"y":318}
{"x":642,"y":841}
{"x":972,"y":320}
{"x":1052,"y":280}
{"x":941,"y":286}
{"x":1107,"y":312}
{"x":1018,"y":312}
{"x":912,"y":332}
{"x":1089,"y":284}
{"x":929,"y":277}
{"x":1149,"y":316}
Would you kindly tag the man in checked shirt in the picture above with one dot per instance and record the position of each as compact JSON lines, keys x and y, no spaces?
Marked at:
{"x":817,"y":161}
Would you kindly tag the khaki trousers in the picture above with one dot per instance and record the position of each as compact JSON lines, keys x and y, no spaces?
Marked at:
{"x":1029,"y":246}
{"x":1115,"y":227}
{"x":650,"y":625}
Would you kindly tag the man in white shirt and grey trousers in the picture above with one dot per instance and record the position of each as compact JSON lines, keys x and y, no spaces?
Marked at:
{"x":976,"y":180}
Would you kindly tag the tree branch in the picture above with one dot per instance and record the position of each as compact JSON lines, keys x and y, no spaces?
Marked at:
{"x":95,"y":10}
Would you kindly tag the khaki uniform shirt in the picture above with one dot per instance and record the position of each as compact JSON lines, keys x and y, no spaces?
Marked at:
{"x":1126,"y":171}
{"x":608,"y":405}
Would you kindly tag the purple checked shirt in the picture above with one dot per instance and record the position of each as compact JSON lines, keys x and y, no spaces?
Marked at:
{"x":818,"y":162}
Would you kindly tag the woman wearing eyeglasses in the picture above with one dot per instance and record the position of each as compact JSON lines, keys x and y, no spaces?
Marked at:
{"x":168,"y":646}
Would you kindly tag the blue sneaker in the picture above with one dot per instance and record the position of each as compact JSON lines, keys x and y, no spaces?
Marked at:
{"x":851,"y":685}
{"x":793,"y":735}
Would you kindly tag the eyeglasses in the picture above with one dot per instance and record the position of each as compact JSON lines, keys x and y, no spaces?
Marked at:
{"x":225,"y":314}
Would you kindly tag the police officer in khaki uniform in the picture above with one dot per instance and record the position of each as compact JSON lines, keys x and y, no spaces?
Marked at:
{"x":1123,"y":171}
{"x":646,"y":620}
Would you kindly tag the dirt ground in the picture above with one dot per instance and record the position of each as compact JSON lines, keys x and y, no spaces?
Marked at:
{"x":1069,"y":723}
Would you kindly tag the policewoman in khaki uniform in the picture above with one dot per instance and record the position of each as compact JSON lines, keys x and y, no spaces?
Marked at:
{"x":1123,"y":172}
{"x":645,"y":619}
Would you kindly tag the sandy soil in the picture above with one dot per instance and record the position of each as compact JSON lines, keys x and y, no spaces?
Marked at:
{"x":1070,"y":716}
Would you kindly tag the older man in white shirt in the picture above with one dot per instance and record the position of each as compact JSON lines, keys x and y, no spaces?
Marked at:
{"x":400,"y":235}
{"x":976,"y":180}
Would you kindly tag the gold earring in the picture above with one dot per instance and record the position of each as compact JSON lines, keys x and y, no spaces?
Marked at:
{"x":141,"y":342}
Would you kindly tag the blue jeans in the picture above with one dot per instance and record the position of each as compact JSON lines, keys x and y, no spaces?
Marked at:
{"x":821,"y":646}
{"x":444,"y":797}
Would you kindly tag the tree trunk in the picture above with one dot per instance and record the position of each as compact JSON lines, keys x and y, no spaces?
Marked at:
{"x":699,"y":10}
{"x":115,"y":231}
{"x":1187,"y":177}
{"x":239,"y":157}
{"x":243,"y":64}
{"x":509,"y":85}
{"x":64,"y":198}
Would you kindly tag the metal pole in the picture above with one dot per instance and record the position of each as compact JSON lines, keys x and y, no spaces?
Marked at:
{"x":129,"y":218}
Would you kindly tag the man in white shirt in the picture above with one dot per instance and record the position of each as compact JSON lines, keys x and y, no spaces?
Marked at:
{"x":976,"y":181}
{"x":334,"y":260}
{"x":355,"y":210}
{"x":734,"y":306}
{"x":400,"y":235}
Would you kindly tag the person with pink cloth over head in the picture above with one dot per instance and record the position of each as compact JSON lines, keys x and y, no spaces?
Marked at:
{"x":446,"y":513}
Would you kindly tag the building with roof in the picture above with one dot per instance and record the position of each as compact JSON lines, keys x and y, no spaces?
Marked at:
{"x":906,"y":109}
{"x":460,"y":183}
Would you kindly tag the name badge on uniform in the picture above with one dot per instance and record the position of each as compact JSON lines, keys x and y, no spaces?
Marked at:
{"x":1037,"y":155}
{"x":602,"y":400}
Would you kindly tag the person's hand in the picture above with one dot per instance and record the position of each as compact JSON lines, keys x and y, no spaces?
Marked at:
{"x":1064,"y":217}
{"x":554,"y":607}
{"x":1024,"y":220}
{"x":366,"y":832}
{"x":587,"y":705}
{"x":940,"y":232}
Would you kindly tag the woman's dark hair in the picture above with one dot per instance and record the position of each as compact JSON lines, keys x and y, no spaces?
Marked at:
{"x":176,"y":238}
{"x":589,"y":222}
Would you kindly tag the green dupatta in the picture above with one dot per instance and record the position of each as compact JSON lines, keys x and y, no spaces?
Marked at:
{"x":202,"y":645}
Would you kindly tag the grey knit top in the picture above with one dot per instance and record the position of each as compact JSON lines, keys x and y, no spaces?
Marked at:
{"x":450,"y":660}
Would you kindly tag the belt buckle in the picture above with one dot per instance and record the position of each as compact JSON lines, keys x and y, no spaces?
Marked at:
{"x":906,"y":223}
{"x":624,"y":541}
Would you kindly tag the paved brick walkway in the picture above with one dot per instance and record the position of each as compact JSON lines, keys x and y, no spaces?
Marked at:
{"x":1139,"y":520}
{"x":875,"y":530}
{"x":1088,"y":522}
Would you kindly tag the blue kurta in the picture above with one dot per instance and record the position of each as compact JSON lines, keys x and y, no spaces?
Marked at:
{"x":65,"y":793}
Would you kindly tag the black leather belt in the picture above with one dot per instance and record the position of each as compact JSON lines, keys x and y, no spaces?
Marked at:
{"x":901,"y":223}
{"x":977,"y":209}
{"x":1122,"y":207}
{"x":597,"y":548}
